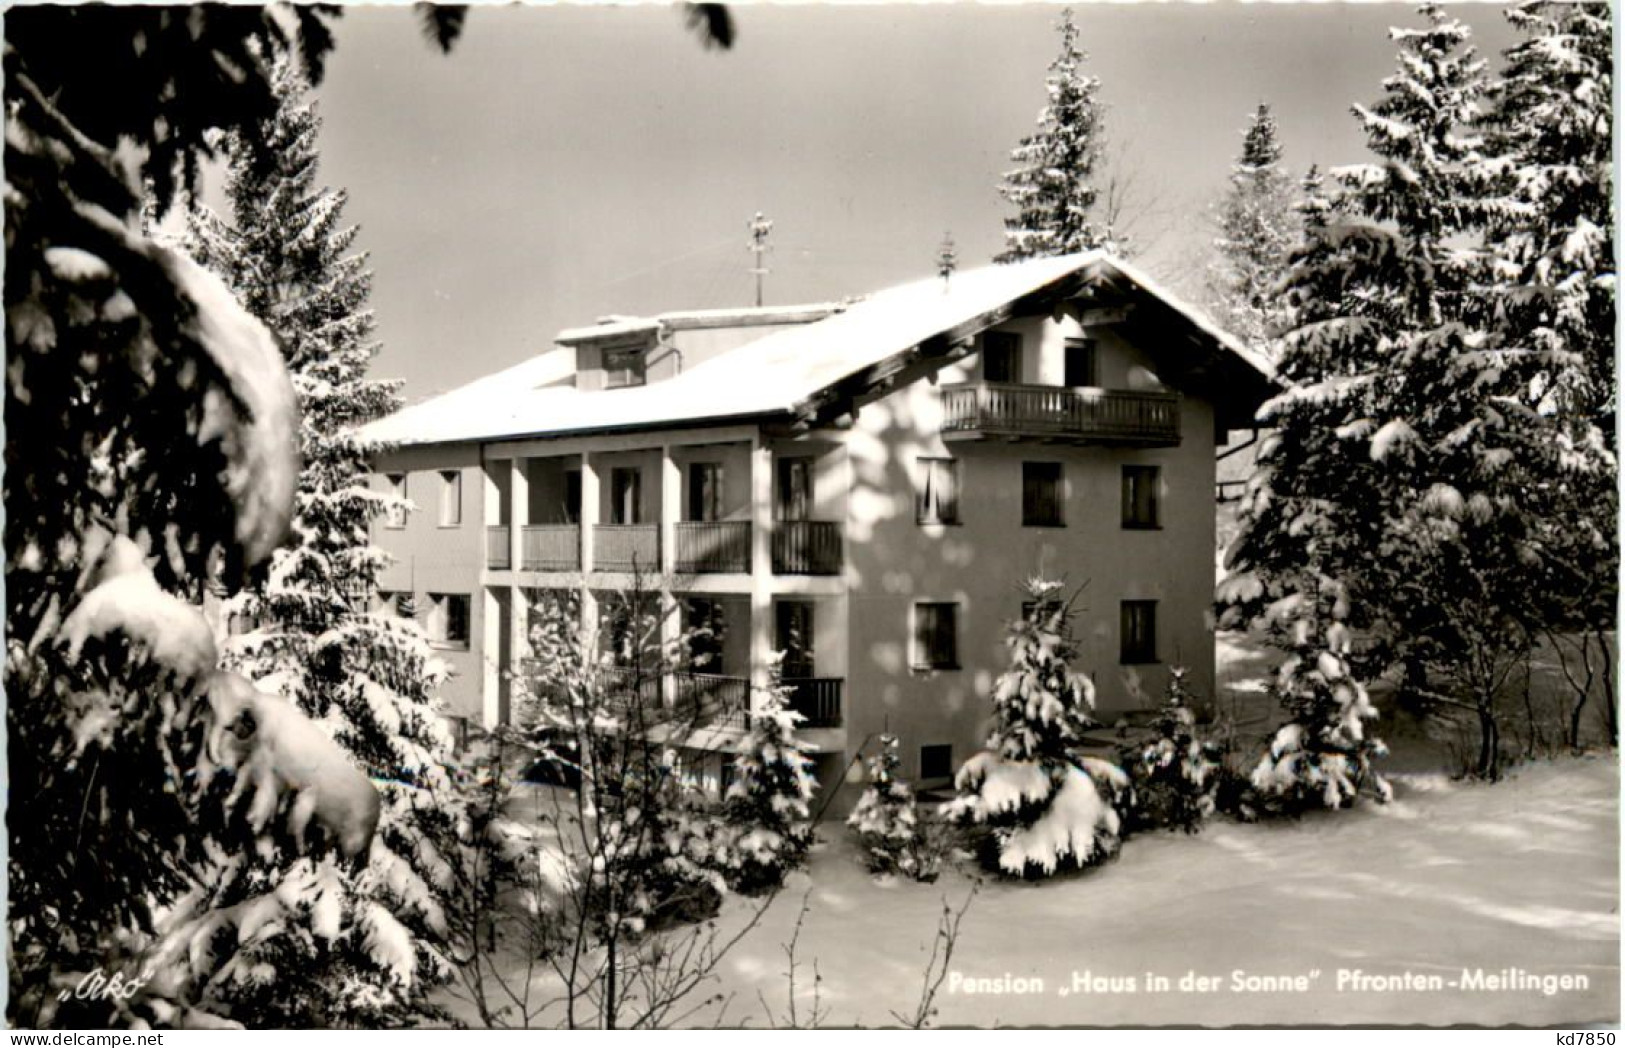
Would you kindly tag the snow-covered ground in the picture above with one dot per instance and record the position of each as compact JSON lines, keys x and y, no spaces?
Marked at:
{"x":1450,"y":879}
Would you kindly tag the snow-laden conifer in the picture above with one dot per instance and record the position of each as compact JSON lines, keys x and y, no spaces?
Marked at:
{"x":767,"y":808}
{"x":1175,"y":772}
{"x":368,"y":679}
{"x":1054,"y":187}
{"x":1041,"y":806}
{"x":1258,"y":227}
{"x":887,"y":819}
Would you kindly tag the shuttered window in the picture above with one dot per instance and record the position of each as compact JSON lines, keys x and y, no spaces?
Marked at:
{"x":1140,"y":508}
{"x":937,"y":499}
{"x":1041,"y":494}
{"x":1139,"y":634}
{"x":936,"y":636}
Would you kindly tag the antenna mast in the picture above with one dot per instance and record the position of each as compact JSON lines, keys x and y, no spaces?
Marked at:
{"x":760,"y":227}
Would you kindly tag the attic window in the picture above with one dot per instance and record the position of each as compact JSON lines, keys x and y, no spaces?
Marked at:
{"x":623,"y":367}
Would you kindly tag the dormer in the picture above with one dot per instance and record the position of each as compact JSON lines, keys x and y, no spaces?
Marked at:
{"x":620,"y":352}
{"x":613,"y":354}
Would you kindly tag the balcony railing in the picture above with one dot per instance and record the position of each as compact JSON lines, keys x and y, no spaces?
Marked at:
{"x":551,"y":547}
{"x":1107,"y":416}
{"x":498,"y":548}
{"x":626,"y":547}
{"x":817,"y":699}
{"x":713,"y":547}
{"x":807,"y":547}
{"x":714,"y":699}
{"x":622,"y":686}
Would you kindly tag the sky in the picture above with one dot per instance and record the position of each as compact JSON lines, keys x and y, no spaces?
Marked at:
{"x":564,"y":163}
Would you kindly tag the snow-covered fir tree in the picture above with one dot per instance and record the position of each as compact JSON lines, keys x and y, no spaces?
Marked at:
{"x":1041,"y":806}
{"x":151,"y":443}
{"x":368,"y":679}
{"x":1400,"y":453}
{"x":1550,"y":248}
{"x":1258,"y":227}
{"x":767,"y":807}
{"x":1175,"y":773}
{"x":1054,"y":186}
{"x":886,"y":819}
{"x":1321,"y":757}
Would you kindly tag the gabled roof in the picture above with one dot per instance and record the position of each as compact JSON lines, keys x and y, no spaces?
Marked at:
{"x":782,"y":373}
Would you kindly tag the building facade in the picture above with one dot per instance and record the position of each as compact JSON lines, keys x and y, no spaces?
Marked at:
{"x":861,"y":487}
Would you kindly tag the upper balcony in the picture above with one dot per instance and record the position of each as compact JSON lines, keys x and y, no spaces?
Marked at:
{"x":1075,"y":415}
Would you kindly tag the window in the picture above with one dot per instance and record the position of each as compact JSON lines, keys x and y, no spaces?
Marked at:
{"x":626,"y":495}
{"x":937,"y":501}
{"x":448,"y":619}
{"x":1001,"y":356}
{"x":936,"y":636}
{"x":623,"y":367}
{"x":451,"y":498}
{"x":1140,"y":484}
{"x":1139,"y":638}
{"x":1080,"y":362}
{"x":1041,"y":495}
{"x":795,"y":489}
{"x":936,"y":762}
{"x":705,"y":491}
{"x":392,"y":605}
{"x":395,"y":515}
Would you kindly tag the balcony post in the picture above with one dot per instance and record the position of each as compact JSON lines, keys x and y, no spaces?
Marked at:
{"x":761,"y":566}
{"x":671,"y":629}
{"x":491,"y":503}
{"x":518,"y":641}
{"x":490,"y":656}
{"x":519,"y":502}
{"x":589,"y":511}
{"x":671,"y":495}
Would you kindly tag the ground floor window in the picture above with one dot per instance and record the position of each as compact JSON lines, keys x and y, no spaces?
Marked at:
{"x":448,"y":619}
{"x":1139,"y":633}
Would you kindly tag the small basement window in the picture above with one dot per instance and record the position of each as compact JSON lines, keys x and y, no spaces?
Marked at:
{"x":936,"y":762}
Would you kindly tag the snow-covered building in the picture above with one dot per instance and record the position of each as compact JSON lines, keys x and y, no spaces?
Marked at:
{"x":861,"y":485}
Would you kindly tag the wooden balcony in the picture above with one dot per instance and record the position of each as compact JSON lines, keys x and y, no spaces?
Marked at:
{"x":713,"y":547}
{"x":498,"y":547}
{"x":807,"y":547}
{"x":817,"y":699}
{"x":550,"y":547}
{"x":626,"y":547}
{"x":1007,"y":411}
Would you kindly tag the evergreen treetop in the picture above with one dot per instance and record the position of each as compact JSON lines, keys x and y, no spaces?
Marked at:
{"x":1053,"y":187}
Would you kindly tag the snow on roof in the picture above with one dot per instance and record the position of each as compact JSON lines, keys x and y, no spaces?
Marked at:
{"x":769,"y":376}
{"x":494,"y":396}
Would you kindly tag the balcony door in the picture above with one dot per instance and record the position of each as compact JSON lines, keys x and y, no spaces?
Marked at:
{"x":572,"y":496}
{"x":626,"y":495}
{"x":1001,"y":356}
{"x":795,"y":493}
{"x":794,"y":637}
{"x":705,"y":491}
{"x":1080,"y":363}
